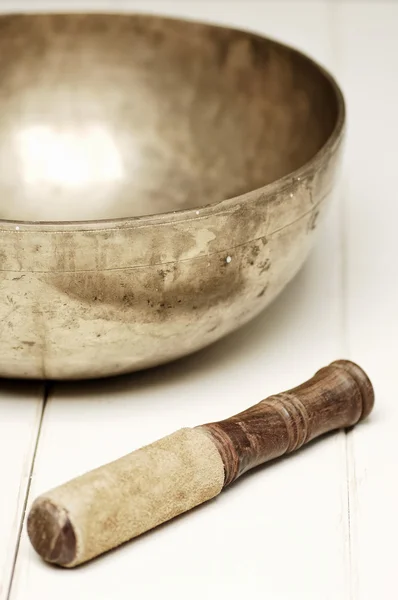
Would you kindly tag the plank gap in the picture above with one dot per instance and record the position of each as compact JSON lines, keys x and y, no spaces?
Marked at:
{"x":46,"y":392}
{"x":348,"y":468}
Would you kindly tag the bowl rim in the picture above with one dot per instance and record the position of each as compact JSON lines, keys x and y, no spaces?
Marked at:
{"x":199,"y":212}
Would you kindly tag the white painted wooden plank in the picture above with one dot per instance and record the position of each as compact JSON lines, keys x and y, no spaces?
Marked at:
{"x":20,"y":412}
{"x":292,"y":515}
{"x":369,"y":47}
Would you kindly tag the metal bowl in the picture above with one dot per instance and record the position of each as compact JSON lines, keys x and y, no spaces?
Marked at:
{"x":161,"y":181}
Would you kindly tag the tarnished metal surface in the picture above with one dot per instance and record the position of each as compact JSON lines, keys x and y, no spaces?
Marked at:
{"x":228,"y":142}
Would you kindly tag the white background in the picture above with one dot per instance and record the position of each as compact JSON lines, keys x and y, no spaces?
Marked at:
{"x":321,"y":524}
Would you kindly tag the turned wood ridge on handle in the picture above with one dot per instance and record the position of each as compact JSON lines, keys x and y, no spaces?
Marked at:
{"x":118,"y":501}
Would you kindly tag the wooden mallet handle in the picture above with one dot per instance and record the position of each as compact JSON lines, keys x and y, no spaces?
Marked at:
{"x":118,"y":501}
{"x":338,"y":395}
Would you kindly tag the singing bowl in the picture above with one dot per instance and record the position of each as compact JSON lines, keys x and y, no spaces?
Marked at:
{"x":161,"y":181}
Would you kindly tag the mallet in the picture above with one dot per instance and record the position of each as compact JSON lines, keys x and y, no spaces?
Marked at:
{"x":113,"y":504}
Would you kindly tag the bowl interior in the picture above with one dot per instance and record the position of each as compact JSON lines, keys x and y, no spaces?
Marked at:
{"x":106,"y":116}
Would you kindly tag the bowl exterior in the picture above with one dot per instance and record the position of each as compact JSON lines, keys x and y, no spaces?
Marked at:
{"x":92,"y":300}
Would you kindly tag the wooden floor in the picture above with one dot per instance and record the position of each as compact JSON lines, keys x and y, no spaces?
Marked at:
{"x":322,"y":524}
